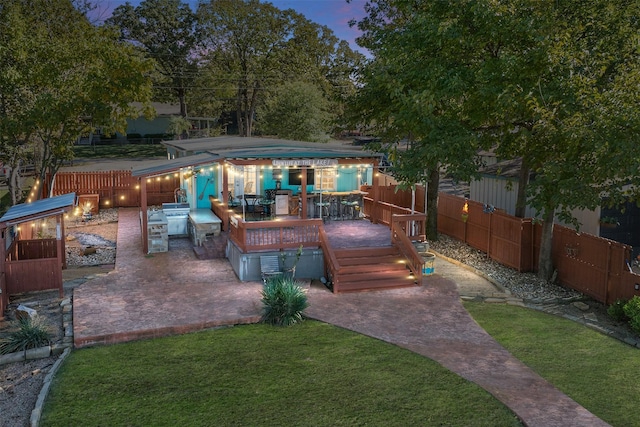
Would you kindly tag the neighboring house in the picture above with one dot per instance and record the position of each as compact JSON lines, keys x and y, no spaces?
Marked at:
{"x":159,"y":126}
{"x":498,"y":187}
{"x":155,"y":130}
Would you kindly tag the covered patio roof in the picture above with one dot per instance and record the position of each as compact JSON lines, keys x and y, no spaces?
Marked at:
{"x":39,"y":209}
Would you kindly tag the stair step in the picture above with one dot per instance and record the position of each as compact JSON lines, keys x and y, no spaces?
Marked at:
{"x":361,"y":285}
{"x":387,"y":259}
{"x":372,"y":268}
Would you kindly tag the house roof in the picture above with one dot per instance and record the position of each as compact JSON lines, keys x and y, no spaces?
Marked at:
{"x":38,"y":209}
{"x":255,"y":145}
{"x":208,"y":150}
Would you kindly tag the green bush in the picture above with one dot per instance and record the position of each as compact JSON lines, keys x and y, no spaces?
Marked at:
{"x":283,"y":301}
{"x":616,"y":311}
{"x":632,"y":310}
{"x":31,"y":333}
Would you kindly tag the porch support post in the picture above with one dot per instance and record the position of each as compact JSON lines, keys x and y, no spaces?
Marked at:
{"x":143,"y":214}
{"x":303,"y":193}
{"x":225,"y":185}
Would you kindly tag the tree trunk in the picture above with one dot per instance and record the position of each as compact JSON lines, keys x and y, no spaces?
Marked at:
{"x":523,"y":182}
{"x":239,"y":118}
{"x":183,"y":104}
{"x":252,"y":108}
{"x":432,"y":203}
{"x":545,"y":266}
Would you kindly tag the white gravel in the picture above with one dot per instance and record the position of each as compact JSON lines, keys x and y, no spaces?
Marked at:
{"x":86,"y":248}
{"x":522,"y":285}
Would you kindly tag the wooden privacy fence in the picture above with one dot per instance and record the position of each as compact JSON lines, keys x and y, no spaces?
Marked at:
{"x":32,"y":265}
{"x":116,"y":189}
{"x":593,"y":265}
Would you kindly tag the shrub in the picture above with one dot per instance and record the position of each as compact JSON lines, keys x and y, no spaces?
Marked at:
{"x":616,"y":311}
{"x":283,"y":301}
{"x":32,"y":333}
{"x":632,"y":310}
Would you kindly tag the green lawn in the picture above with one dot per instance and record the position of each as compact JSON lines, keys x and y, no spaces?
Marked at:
{"x":117,"y":151}
{"x":598,"y":372}
{"x":312,"y":374}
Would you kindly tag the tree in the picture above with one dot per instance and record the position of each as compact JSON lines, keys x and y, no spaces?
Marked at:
{"x":298,"y":111}
{"x":63,"y":77}
{"x":413,"y":91}
{"x":253,"y":48}
{"x":165,"y":31}
{"x":537,"y":81}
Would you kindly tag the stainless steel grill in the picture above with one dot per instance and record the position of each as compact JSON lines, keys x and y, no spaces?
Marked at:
{"x":177,"y":218}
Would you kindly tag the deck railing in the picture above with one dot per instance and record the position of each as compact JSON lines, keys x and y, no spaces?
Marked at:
{"x":412,"y":222}
{"x":400,"y":238}
{"x":332,"y":266}
{"x":251,"y":236}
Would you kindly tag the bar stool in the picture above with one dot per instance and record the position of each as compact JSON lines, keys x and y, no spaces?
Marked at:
{"x":334,"y":207}
{"x":350,"y":207}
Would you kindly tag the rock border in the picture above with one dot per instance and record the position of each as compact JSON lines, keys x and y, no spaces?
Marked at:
{"x":49,"y":350}
{"x":36,"y":413}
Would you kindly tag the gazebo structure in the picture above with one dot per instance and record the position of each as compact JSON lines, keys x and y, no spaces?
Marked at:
{"x":32,"y":246}
{"x":270,"y":195}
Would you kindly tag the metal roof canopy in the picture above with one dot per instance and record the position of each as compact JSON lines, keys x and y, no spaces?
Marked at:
{"x":165,"y":166}
{"x":235,"y":147}
{"x":39,"y":209}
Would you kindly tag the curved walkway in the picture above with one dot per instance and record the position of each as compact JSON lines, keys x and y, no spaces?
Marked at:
{"x":174,"y":292}
{"x":431,"y":321}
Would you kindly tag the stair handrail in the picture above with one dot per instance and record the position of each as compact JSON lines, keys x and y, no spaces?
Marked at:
{"x":331,"y":264}
{"x":400,"y":239}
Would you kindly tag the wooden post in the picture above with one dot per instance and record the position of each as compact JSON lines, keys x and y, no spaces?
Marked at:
{"x":303,"y":192}
{"x":59,"y":255}
{"x":143,"y":214}
{"x":225,"y":185}
{"x":376,"y":196}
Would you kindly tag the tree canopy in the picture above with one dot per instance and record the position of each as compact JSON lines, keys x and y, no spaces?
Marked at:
{"x":298,"y":111}
{"x":61,"y":77}
{"x":166,"y":31}
{"x":253,"y":48}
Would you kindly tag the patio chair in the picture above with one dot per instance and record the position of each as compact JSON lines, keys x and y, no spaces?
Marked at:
{"x":253,"y":208}
{"x":269,"y":267}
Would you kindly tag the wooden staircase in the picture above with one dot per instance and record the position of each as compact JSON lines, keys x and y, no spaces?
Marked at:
{"x":371,"y":268}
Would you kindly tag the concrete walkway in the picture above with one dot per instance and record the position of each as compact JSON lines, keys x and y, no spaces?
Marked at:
{"x":148,"y":296}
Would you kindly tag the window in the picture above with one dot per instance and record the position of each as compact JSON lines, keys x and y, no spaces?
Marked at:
{"x":326,"y":179}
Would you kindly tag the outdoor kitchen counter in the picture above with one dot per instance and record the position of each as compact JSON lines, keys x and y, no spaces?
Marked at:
{"x":202,"y":223}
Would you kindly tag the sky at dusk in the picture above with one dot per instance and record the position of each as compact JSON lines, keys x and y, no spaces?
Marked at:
{"x":335,"y":14}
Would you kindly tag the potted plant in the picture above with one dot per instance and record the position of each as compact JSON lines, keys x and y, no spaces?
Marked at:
{"x":609,"y":222}
{"x":290,"y":270}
